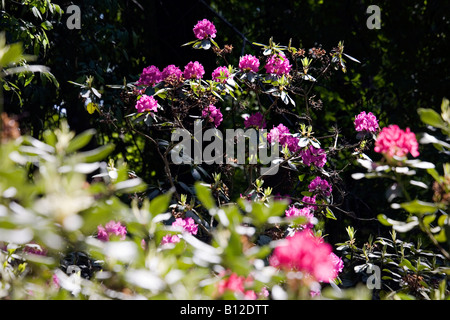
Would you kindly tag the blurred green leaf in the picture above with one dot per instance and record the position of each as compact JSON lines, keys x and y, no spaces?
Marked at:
{"x":80,"y":140}
{"x":203,"y":193}
{"x":97,"y":154}
{"x":431,"y":117}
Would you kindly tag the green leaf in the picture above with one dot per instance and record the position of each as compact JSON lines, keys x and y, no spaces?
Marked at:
{"x":189,"y":43}
{"x":130,"y":186}
{"x":329,"y":214}
{"x":429,"y":219}
{"x":97,"y":154}
{"x":419,"y":207}
{"x":406,"y":263}
{"x":431,"y":117}
{"x":261,"y":212}
{"x":442,"y":220}
{"x":80,"y":140}
{"x":46,"y":25}
{"x":432,"y":172}
{"x":204,"y":195}
{"x":11,"y":54}
{"x":160,"y":204}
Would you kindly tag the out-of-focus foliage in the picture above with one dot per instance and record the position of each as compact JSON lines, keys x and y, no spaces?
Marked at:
{"x":60,"y":179}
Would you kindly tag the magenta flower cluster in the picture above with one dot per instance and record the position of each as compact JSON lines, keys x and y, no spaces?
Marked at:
{"x":146,"y":103}
{"x":213,"y":114}
{"x":193,"y":70}
{"x":366,"y":122}
{"x":187,"y":224}
{"x":309,"y":202}
{"x":150,"y":76}
{"x":221,"y":74}
{"x":256,"y":120}
{"x":282,"y":135}
{"x":278,"y":65}
{"x":312,"y":155}
{"x":171,"y":71}
{"x":170,"y":239}
{"x":204,"y":29}
{"x":249,"y":63}
{"x":111,"y":229}
{"x":321,"y":186}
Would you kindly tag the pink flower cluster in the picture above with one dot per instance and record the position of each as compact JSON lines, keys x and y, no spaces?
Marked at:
{"x":204,"y":29}
{"x":213,"y":114}
{"x":309,"y":202}
{"x":146,"y":103}
{"x":111,"y":229}
{"x":393,"y":141}
{"x":170,"y":239}
{"x":282,"y":135}
{"x":366,"y":122}
{"x":312,"y":155}
{"x":248,"y":63}
{"x":187,"y":224}
{"x":278,"y":65}
{"x":307,"y":253}
{"x":237,"y":284}
{"x":193,"y":70}
{"x":304,"y":212}
{"x":150,"y":76}
{"x":320,"y":185}
{"x":171,"y":71}
{"x":221,"y":74}
{"x":255,"y":120}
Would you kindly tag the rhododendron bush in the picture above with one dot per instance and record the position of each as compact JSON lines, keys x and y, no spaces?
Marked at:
{"x":77,"y":223}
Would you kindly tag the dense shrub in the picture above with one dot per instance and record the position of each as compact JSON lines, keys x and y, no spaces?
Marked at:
{"x":179,"y":223}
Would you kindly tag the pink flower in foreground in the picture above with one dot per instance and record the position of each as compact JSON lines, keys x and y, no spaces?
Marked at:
{"x":264,"y":292}
{"x":307,"y":253}
{"x":255,"y":120}
{"x":146,"y":103}
{"x":150,"y":76}
{"x":304,"y":212}
{"x":236,"y":284}
{"x":193,"y":70}
{"x":171,"y":71}
{"x":366,"y":122}
{"x":111,"y":229}
{"x":213,"y":114}
{"x":338,"y":264}
{"x":233,"y":283}
{"x":170,"y":239}
{"x":221,"y":74}
{"x":393,"y":141}
{"x":278,"y":65}
{"x":188,"y":225}
{"x":204,"y":28}
{"x":321,"y":186}
{"x":312,"y":155}
{"x":249,"y":63}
